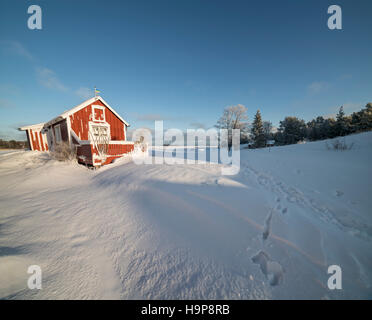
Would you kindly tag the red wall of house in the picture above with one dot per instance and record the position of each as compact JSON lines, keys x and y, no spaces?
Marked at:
{"x":37,"y":141}
{"x":117,"y":127}
{"x":115,"y":151}
{"x":80,"y":125}
{"x":80,"y":122}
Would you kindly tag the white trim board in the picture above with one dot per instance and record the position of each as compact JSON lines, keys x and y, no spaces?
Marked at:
{"x":98,"y":107}
{"x":38,"y":127}
{"x":83,"y":105}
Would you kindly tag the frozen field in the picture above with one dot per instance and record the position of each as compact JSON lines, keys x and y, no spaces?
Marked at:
{"x":131,"y":231}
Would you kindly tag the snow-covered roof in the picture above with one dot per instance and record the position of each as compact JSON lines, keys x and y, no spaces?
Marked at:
{"x":37,"y":126}
{"x":67,"y":113}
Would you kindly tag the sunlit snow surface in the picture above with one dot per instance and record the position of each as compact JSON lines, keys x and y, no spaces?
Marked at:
{"x":129,"y":231}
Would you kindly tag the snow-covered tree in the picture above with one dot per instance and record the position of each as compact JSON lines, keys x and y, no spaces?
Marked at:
{"x":234,"y":117}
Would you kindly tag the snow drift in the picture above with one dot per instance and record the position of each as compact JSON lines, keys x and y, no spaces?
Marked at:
{"x":131,"y":231}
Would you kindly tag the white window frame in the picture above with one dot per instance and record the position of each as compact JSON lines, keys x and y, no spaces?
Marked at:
{"x":100,"y":124}
{"x":99,"y":127}
{"x":57,"y":128}
{"x":94,"y":107}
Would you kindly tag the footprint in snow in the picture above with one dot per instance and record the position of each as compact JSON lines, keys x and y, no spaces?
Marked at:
{"x":338,"y":193}
{"x":267,"y":227}
{"x":273,"y":270}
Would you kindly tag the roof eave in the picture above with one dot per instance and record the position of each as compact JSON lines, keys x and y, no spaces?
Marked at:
{"x":32,"y":126}
{"x":53,"y":121}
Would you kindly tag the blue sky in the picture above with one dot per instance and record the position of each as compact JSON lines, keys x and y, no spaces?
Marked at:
{"x":183,"y":61}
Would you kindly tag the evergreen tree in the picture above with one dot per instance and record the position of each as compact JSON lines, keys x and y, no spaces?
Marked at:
{"x":258,"y":131}
{"x":292,"y":130}
{"x":317,"y":129}
{"x":366,"y":118}
{"x":341,"y":124}
{"x":356,"y":121}
{"x":341,"y":114}
{"x":330,"y":127}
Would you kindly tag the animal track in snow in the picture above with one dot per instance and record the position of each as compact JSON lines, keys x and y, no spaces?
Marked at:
{"x":273,"y":270}
{"x":297,"y":197}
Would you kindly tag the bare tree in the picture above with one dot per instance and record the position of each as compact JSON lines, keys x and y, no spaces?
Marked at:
{"x":234,"y":117}
{"x":268,"y":128}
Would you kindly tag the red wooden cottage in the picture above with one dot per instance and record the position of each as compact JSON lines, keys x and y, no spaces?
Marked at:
{"x":93,"y":127}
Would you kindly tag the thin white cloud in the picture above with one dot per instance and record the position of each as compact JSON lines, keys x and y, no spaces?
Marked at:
{"x":353,"y":106}
{"x":84,"y":93}
{"x":45,"y":76}
{"x":49,"y":79}
{"x":317,"y":87}
{"x":15,"y":48}
{"x":349,"y":108}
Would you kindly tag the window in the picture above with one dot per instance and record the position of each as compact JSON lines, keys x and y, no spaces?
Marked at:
{"x":98,"y":113}
{"x":57,"y":133}
{"x":99,"y":131}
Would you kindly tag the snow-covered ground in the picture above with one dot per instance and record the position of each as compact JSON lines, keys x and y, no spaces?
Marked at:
{"x":131,"y":231}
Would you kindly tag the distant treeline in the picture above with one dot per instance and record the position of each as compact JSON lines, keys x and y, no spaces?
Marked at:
{"x":12,"y":144}
{"x":292,"y":130}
